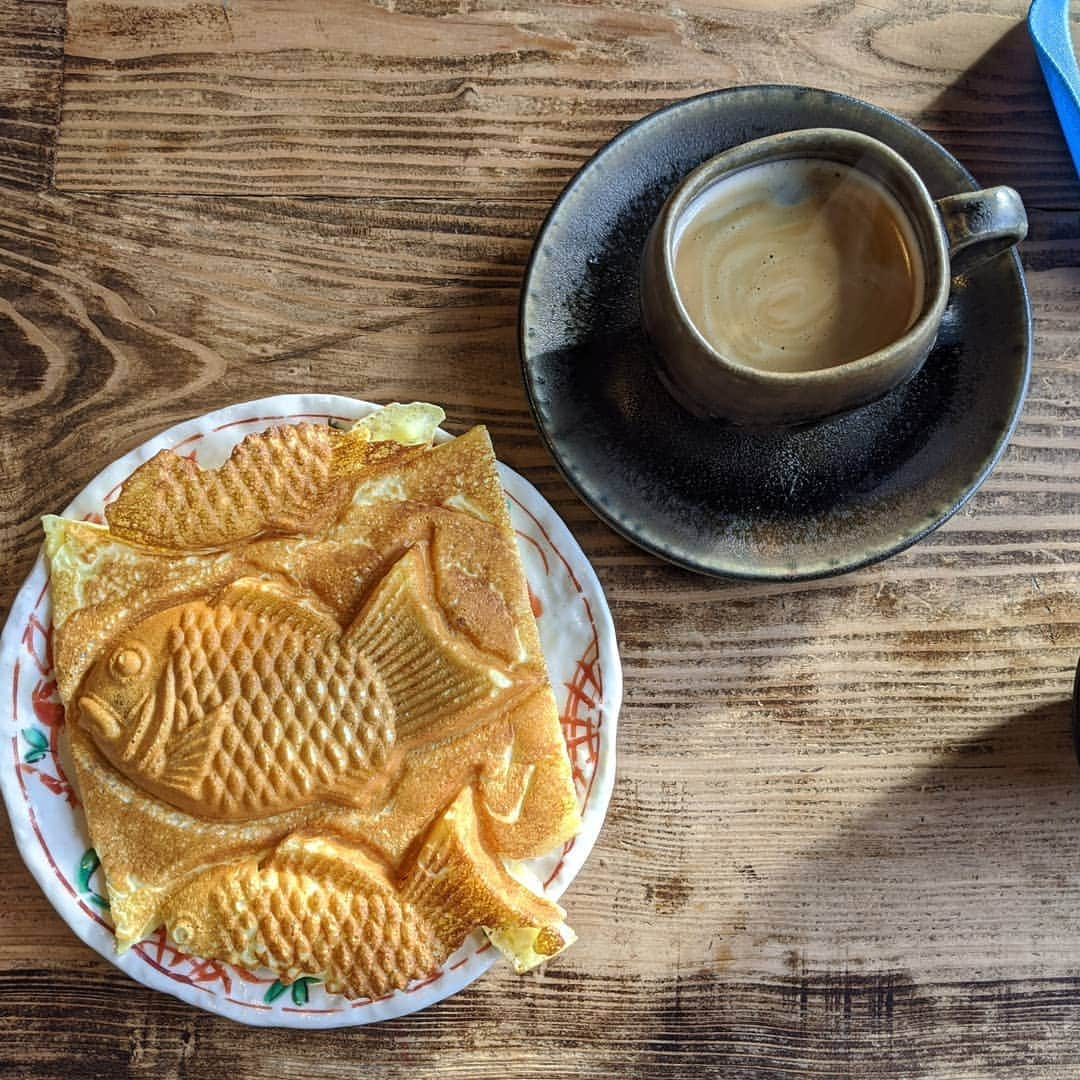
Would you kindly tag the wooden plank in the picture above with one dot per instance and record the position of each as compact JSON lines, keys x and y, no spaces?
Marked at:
{"x":31,"y":65}
{"x":564,"y":1026}
{"x":501,"y":101}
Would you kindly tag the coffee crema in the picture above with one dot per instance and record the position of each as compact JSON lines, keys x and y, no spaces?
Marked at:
{"x":798,"y":264}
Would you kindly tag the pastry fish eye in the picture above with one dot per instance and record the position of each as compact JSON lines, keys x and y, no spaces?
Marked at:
{"x":129,"y":661}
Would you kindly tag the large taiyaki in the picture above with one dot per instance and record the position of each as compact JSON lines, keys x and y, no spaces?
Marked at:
{"x":255,"y":702}
{"x":308,"y":713}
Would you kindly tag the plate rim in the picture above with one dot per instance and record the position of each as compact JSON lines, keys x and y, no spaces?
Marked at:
{"x":20,"y":812}
{"x":766,"y":576}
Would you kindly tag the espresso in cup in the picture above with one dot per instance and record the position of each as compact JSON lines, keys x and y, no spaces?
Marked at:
{"x":797,"y":265}
{"x":805,"y":274}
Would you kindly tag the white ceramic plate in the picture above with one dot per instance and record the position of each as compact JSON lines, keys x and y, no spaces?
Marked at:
{"x":48,"y":822}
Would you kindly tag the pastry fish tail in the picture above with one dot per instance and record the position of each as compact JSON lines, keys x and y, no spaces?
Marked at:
{"x":438,"y":681}
{"x":459,"y":885}
{"x":271,"y":480}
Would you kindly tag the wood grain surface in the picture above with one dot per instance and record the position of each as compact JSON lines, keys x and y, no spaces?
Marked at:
{"x":433,"y":98}
{"x":845,"y":834}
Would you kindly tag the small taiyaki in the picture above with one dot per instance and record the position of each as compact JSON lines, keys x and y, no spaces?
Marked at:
{"x":293,"y":478}
{"x":320,"y":906}
{"x":256,"y":702}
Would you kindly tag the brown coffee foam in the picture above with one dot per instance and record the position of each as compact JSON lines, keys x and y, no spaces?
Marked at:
{"x":797,"y":265}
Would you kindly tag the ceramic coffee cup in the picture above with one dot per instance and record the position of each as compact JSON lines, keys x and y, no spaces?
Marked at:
{"x":946,"y":237}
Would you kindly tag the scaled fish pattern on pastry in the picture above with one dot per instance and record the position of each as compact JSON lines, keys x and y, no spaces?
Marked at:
{"x":289,"y":479}
{"x":252,"y":749}
{"x":255,"y":703}
{"x":318,"y":904}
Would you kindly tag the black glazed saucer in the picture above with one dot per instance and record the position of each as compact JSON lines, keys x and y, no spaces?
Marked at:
{"x":780,"y":505}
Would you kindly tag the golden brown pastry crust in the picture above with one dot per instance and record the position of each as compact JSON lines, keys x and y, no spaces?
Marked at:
{"x":390,"y":552}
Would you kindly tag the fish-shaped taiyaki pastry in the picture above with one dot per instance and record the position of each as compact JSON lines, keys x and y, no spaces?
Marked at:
{"x":256,"y":701}
{"x":278,"y":676}
{"x":320,"y":906}
{"x":316,"y":905}
{"x":290,"y":479}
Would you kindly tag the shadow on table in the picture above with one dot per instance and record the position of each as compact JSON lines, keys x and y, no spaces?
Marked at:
{"x":997,"y":118}
{"x":968,"y":866}
{"x":924,"y":938}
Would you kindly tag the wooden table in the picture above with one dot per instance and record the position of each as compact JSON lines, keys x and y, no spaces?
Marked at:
{"x":845,"y":834}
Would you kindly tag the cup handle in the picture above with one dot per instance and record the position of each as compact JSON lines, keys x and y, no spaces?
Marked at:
{"x":981,"y":224}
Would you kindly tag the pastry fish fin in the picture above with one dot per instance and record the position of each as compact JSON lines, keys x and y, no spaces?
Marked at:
{"x":503,"y":792}
{"x":461,"y":885}
{"x":280,"y":604}
{"x":332,"y":859}
{"x":434,"y":677}
{"x":188,"y":757}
